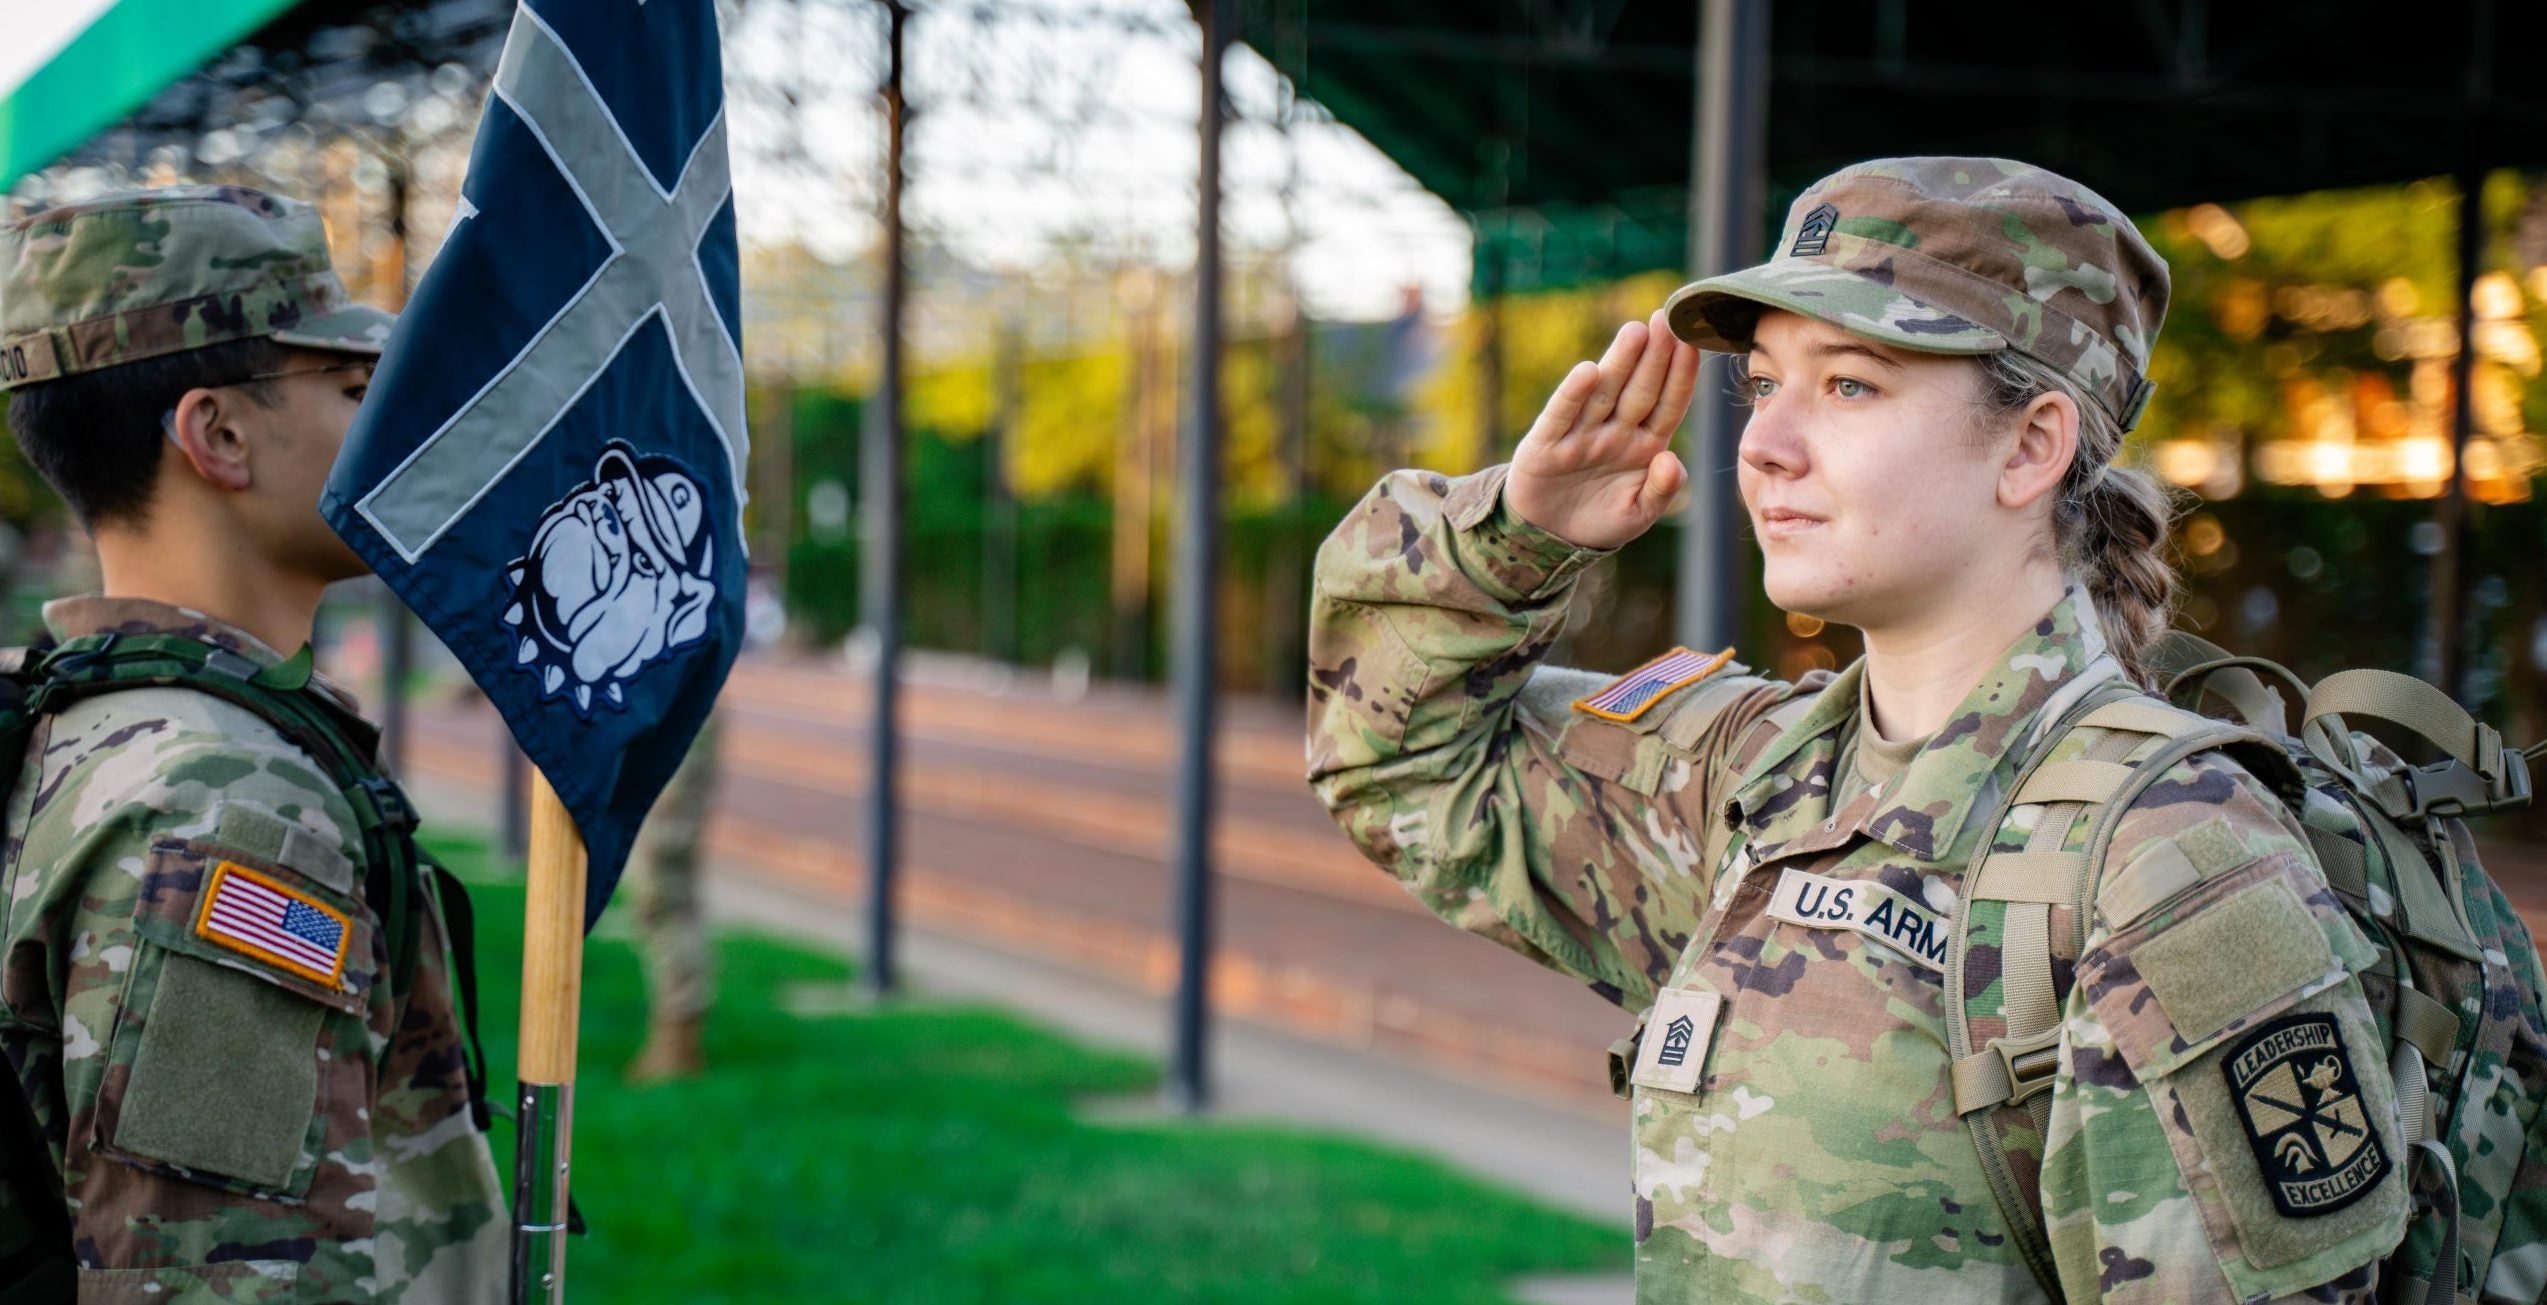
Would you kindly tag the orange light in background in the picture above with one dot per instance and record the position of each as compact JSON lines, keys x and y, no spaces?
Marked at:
{"x":2242,"y":308}
{"x":2185,"y":462}
{"x":1797,"y":661}
{"x":1802,"y":626}
{"x":2218,"y":228}
{"x":2496,"y":297}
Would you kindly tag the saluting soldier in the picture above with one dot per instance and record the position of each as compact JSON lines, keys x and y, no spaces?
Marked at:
{"x":224,"y":987}
{"x":2179,"y":1097}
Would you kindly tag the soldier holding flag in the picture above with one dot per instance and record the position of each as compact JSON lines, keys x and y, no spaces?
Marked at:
{"x":224,"y":985}
{"x":222,"y":973}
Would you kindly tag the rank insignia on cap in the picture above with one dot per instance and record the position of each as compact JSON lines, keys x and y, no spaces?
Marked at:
{"x":1813,"y":234}
{"x":258,"y":917}
{"x":1627,"y":697}
{"x":2303,"y":1113}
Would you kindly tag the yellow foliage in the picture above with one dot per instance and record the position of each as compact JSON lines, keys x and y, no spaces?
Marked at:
{"x":1070,"y":414}
{"x":1542,"y":336}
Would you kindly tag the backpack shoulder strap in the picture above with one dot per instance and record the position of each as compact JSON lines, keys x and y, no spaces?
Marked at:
{"x":279,"y":695}
{"x":346,"y":750}
{"x":2003,"y":1029}
{"x":37,"y":1264}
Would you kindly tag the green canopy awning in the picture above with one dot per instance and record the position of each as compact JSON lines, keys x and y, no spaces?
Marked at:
{"x":76,"y":66}
{"x":1562,"y":128}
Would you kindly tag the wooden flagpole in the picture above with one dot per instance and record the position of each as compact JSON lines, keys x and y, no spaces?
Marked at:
{"x":552,"y":996}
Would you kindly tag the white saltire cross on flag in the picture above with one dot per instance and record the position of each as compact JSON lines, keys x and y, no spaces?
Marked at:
{"x":653,"y":269}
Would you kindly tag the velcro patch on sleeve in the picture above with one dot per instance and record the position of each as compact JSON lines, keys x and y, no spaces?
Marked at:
{"x":267,"y":920}
{"x":1628,"y":696}
{"x":2303,"y":1113}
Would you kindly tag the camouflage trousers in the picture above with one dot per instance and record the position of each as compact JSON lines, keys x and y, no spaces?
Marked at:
{"x":663,"y":875}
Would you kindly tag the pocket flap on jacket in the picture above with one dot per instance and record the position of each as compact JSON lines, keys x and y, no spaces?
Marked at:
{"x":2219,"y":960}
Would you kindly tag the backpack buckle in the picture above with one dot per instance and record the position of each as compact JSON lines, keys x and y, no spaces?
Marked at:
{"x":2032,"y":1062}
{"x":391,"y":802}
{"x":2006,"y":1071}
{"x":2451,"y":788}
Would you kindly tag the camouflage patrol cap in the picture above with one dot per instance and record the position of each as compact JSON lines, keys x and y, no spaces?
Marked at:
{"x":132,"y":276}
{"x":1959,"y":256}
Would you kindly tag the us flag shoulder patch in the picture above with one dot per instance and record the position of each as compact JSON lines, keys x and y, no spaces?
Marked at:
{"x":258,"y":917}
{"x":1627,"y":697}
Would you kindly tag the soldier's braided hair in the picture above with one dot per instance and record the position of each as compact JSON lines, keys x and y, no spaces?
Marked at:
{"x":2110,"y":523}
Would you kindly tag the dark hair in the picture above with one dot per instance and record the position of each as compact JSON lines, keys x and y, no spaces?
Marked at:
{"x":95,"y":437}
{"x":2110,"y":523}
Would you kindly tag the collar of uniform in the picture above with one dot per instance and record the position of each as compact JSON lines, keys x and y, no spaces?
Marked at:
{"x":1925,"y":807}
{"x":85,"y":614}
{"x":1788,"y":790}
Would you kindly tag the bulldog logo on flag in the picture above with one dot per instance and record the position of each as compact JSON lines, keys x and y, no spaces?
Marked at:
{"x":619,"y":575}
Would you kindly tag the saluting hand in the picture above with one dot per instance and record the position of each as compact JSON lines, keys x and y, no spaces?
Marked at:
{"x":1597,"y":468}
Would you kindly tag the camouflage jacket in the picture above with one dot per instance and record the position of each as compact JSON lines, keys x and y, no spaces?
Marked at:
{"x":1818,"y":1155}
{"x":240,"y":1113}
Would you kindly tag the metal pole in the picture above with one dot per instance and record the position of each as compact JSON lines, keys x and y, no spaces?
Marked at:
{"x":2444,"y":656}
{"x":1727,"y":166}
{"x":881,"y":581}
{"x":1197,"y":574}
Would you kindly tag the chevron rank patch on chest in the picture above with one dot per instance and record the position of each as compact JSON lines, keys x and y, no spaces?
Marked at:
{"x":1628,"y":696}
{"x":267,"y":920}
{"x":2302,"y":1110}
{"x":1672,"y":1054}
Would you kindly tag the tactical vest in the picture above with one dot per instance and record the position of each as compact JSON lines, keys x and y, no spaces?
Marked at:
{"x":2395,"y":849}
{"x":36,"y":1260}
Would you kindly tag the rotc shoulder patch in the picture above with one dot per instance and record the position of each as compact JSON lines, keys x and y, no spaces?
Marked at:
{"x":2302,"y":1109}
{"x":266,"y":920}
{"x":1627,"y":697}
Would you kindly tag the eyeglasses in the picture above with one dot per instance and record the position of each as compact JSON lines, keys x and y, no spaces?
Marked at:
{"x":168,"y":419}
{"x":345,"y":366}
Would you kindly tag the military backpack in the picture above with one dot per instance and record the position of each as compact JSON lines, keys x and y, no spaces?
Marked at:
{"x":2456,"y":993}
{"x":36,"y":1259}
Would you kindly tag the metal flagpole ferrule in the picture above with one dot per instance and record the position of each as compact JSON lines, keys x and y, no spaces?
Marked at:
{"x":539,"y":1192}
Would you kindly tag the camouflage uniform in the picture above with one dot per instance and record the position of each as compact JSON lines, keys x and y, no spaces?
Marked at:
{"x":229,"y":1124}
{"x":664,"y":876}
{"x":228,"y":1129}
{"x":1817,"y":1153}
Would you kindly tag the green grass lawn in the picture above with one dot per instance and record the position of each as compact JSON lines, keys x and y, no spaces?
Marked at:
{"x":929,"y":1153}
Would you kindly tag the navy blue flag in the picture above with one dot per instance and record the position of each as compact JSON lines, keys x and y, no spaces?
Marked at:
{"x":549,"y":465}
